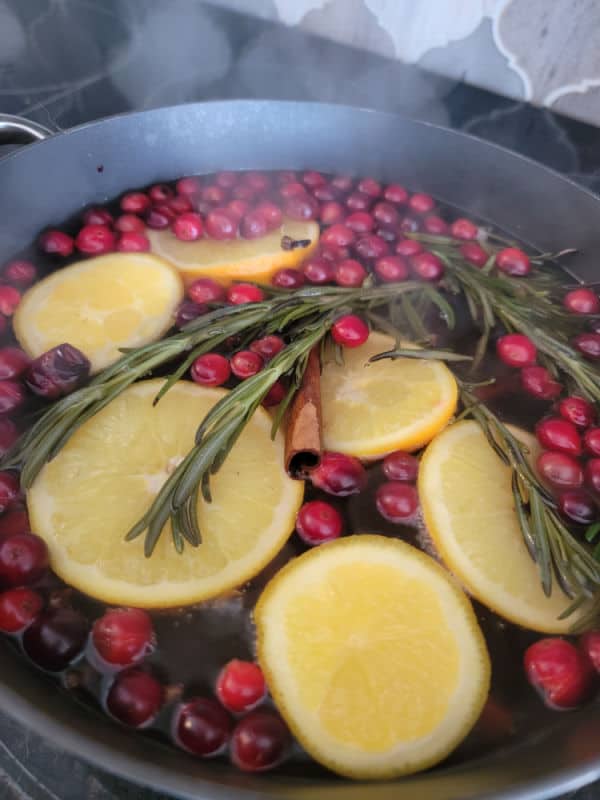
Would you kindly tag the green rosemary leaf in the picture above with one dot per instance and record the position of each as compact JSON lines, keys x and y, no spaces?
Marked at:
{"x":445,"y":309}
{"x":592,"y":532}
{"x":544,"y":562}
{"x":177,"y":532}
{"x":414,"y":321}
{"x":420,"y":353}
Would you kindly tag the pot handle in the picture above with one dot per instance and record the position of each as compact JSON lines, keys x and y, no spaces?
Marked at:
{"x":18,"y":130}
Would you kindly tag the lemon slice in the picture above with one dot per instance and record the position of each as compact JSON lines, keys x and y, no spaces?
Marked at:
{"x":236,"y":259}
{"x":100,"y":305}
{"x":370,"y":410}
{"x":373,"y":656}
{"x":467,"y":502}
{"x":105,"y":478}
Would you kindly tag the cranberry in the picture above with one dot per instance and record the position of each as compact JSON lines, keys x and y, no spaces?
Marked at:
{"x":435,"y":225}
{"x":391,"y":269}
{"x":421,"y":203}
{"x":339,"y":474}
{"x":241,"y":192}
{"x":18,"y":609}
{"x":360,"y":222}
{"x":133,"y":243}
{"x":588,"y":344}
{"x":211,"y":369}
{"x":332,"y":252}
{"x":246,"y":363}
{"x":338,"y":236}
{"x":13,"y":362}
{"x":350,"y":330}
{"x":10,"y":490}
{"x":135,"y":203}
{"x":394,"y":193}
{"x":590,"y":645}
{"x":388,"y":234}
{"x":400,"y":466}
{"x":55,"y":638}
{"x":592,"y":474}
{"x":135,"y":698}
{"x":324,"y":194}
{"x":538,"y":382}
{"x":160,"y":192}
{"x":123,"y":636}
{"x":268,"y":347}
{"x":318,"y":522}
{"x":12,"y":396}
{"x":9,"y":300}
{"x":226,"y":179}
{"x":205,"y":290}
{"x":180,"y":205}
{"x":350,"y":273}
{"x":578,"y":506}
{"x":187,"y":312}
{"x":202,"y":727}
{"x":8,"y":436}
{"x":288,"y":278}
{"x":558,"y":434}
{"x":95,"y":239}
{"x":254,"y":225}
{"x":292,"y":189}
{"x":240,"y":293}
{"x":158,"y":219}
{"x":561,"y":672}
{"x":591,"y":440}
{"x":342,"y":183}
{"x":23,"y":559}
{"x":513,"y":261}
{"x":464,"y":229}
{"x":57,"y":243}
{"x":188,"y":187}
{"x":275,"y":395}
{"x":560,"y":470}
{"x":474,"y":254}
{"x":397,"y":502}
{"x":21,"y":272}
{"x":371,"y":246}
{"x":188,"y":226}
{"x":238,"y":208}
{"x":386,"y":214}
{"x":271,"y":214}
{"x":582,"y":301}
{"x":313,"y":179}
{"x":370,"y":187}
{"x":516,"y":350}
{"x":301,"y":208}
{"x":260,"y":741}
{"x":318,"y":270}
{"x":240,"y":686}
{"x":15,"y":521}
{"x":58,"y":372}
{"x":357,"y":201}
{"x":331,"y":213}
{"x":578,"y":411}
{"x":221,"y":224}
{"x":257,"y":181}
{"x":97,"y":216}
{"x":428,"y":266}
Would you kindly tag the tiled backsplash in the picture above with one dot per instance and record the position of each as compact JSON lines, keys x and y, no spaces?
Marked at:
{"x":544,"y":51}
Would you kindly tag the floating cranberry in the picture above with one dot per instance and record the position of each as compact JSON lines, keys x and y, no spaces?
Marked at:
{"x":180,"y":205}
{"x":389,"y":234}
{"x":123,"y":636}
{"x":338,"y":236}
{"x":350,"y":273}
{"x":240,"y":686}
{"x":268,"y":347}
{"x":559,"y":434}
{"x":8,"y":436}
{"x":588,"y":345}
{"x":57,"y":243}
{"x":464,"y":229}
{"x":578,"y":506}
{"x":133,"y":243}
{"x":394,"y":193}
{"x":313,"y":179}
{"x":538,"y":382}
{"x":226,"y":179}
{"x":435,"y":225}
{"x":215,"y":196}
{"x":23,"y":559}
{"x":560,"y":671}
{"x":410,"y":224}
{"x":18,"y":609}
{"x":358,"y":201}
{"x":257,"y":181}
{"x":428,"y":266}
{"x":246,"y":363}
{"x":159,"y":218}
{"x":516,"y":350}
{"x":409,"y":248}
{"x":97,"y":216}
{"x":325,"y":193}
{"x":319,"y":522}
{"x":390,"y":269}
{"x":421,"y":203}
{"x":275,"y":395}
{"x":592,"y":474}
{"x":9,"y":300}
{"x":210,"y":369}
{"x":331,"y":213}
{"x":271,"y":213}
{"x":221,"y":224}
{"x":342,"y":183}
{"x":240,"y":293}
{"x":187,"y":312}
{"x":205,"y":290}
{"x":10,"y":490}
{"x":396,"y":501}
{"x":19,"y":271}
{"x":401,"y":466}
{"x":12,"y":396}
{"x":13,"y":362}
{"x":582,"y":301}
{"x":95,"y":239}
{"x":260,"y":741}
{"x":318,"y":270}
{"x":360,"y":222}
{"x":288,"y":278}
{"x":578,"y":411}
{"x":55,"y":638}
{"x":339,"y":474}
{"x":386,"y":214}
{"x":370,"y":187}
{"x":160,"y":192}
{"x":238,"y":208}
{"x":334,"y":253}
{"x":254,"y":225}
{"x":474,"y":254}
{"x":591,"y":440}
{"x":590,"y":646}
{"x":302,"y":207}
{"x":370,"y":246}
{"x":188,"y":226}
{"x":188,"y":187}
{"x":560,"y":470}
{"x":241,"y":192}
{"x":135,"y":203}
{"x":513,"y":261}
{"x":350,"y":330}
{"x":15,"y":521}
{"x":202,"y":727}
{"x":58,"y":372}
{"x":135,"y":698}
{"x":292,"y":189}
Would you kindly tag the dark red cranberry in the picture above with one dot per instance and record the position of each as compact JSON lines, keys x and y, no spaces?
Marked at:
{"x":350,"y":273}
{"x":319,"y":522}
{"x":318,"y":270}
{"x":13,"y":362}
{"x":537,"y":381}
{"x":285,"y":176}
{"x":202,"y":727}
{"x":331,"y":213}
{"x":238,"y":208}
{"x":427,"y":266}
{"x":205,"y":290}
{"x":560,"y":470}
{"x":240,"y":293}
{"x":357,"y":201}
{"x":9,"y":300}
{"x":588,"y":345}
{"x":221,"y":224}
{"x":260,"y":741}
{"x":188,"y":187}
{"x":97,"y":216}
{"x":95,"y":239}
{"x":435,"y":225}
{"x":292,"y":189}
{"x":474,"y":254}
{"x":313,"y":179}
{"x":57,"y":243}
{"x":360,"y":222}
{"x":8,"y":435}
{"x":350,"y":330}
{"x":301,"y":207}
{"x":288,"y":278}
{"x":370,"y":187}
{"x":254,"y":225}
{"x":410,"y":225}
{"x":591,"y":440}
{"x":135,"y":698}
{"x":513,"y":261}
{"x":226,"y":179}
{"x":578,"y":506}
{"x":386,"y":214}
{"x":275,"y":395}
{"x":180,"y":205}
{"x":516,"y":350}
{"x":133,"y":243}
{"x":324,"y":194}
{"x":577,"y":410}
{"x":558,"y":434}
{"x":333,"y":253}
{"x":135,"y":203}
{"x":240,"y":686}
{"x":391,"y":269}
{"x":187,"y":312}
{"x":401,"y":466}
{"x":421,"y":203}
{"x":12,"y":396}
{"x":23,"y":559}
{"x":211,"y":369}
{"x":589,"y":644}
{"x":158,"y":218}
{"x":10,"y":490}
{"x":342,"y":183}
{"x":271,"y":213}
{"x":55,"y":638}
{"x":394,"y":193}
{"x":246,"y":363}
{"x":559,"y":671}
{"x":19,"y":271}
{"x":339,"y":474}
{"x":242,"y":192}
{"x":160,"y":192}
{"x":188,"y":226}
{"x":371,"y":246}
{"x":338,"y":236}
{"x":18,"y":609}
{"x":592,"y":474}
{"x":396,"y":501}
{"x":464,"y":229}
{"x":408,"y":248}
{"x":214,"y":196}
{"x":268,"y":347}
{"x":389,"y":234}
{"x":15,"y":521}
{"x":123,"y":636}
{"x":582,"y":301}
{"x":58,"y":372}
{"x":257,"y":181}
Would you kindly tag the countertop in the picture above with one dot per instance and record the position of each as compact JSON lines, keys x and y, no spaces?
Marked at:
{"x":63,"y":62}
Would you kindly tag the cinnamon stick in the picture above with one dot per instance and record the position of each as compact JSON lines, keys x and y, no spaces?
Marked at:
{"x":303,"y":445}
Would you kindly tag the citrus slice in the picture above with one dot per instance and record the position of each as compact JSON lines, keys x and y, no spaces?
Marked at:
{"x":100,"y":305}
{"x":468,"y":506}
{"x":237,"y":259}
{"x":373,"y":655}
{"x":370,"y":410}
{"x":105,"y":478}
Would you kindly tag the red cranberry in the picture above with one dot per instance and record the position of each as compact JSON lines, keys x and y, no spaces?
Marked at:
{"x":257,"y":181}
{"x":188,"y":227}
{"x":538,"y":382}
{"x":13,"y":362}
{"x":58,"y":372}
{"x":123,"y":636}
{"x":560,"y":671}
{"x":588,"y":344}
{"x":357,"y":201}
{"x":260,"y":741}
{"x":513,"y":261}
{"x":8,"y":436}
{"x":238,"y":208}
{"x":318,"y":270}
{"x":391,"y":269}
{"x":188,"y":187}
{"x":245,"y":364}
{"x":560,"y":470}
{"x":388,"y":234}
{"x":240,"y":293}
{"x":428,"y":266}
{"x":242,"y":192}
{"x":394,"y":193}
{"x":180,"y":205}
{"x":226,"y":179}
{"x":318,"y":522}
{"x":133,"y":243}
{"x":371,"y":246}
{"x":339,"y":474}
{"x":160,"y":192}
{"x":301,"y":208}
{"x":285,"y":176}
{"x":292,"y":189}
{"x":331,"y":213}
{"x":409,"y":248}
{"x":240,"y":686}
{"x":135,"y":698}
{"x":205,"y":290}
{"x":558,"y":434}
{"x":578,"y":506}
{"x":421,"y":203}
{"x":464,"y":229}
{"x":214,"y":196}
{"x":338,"y":236}
{"x":15,"y":521}
{"x":12,"y":396}
{"x":350,"y":330}
{"x":592,"y":474}
{"x":23,"y":559}
{"x":270,"y":213}
{"x":57,"y":243}
{"x":135,"y":203}
{"x":516,"y":350}
{"x":590,"y":646}
{"x":9,"y":300}
{"x":21,"y":272}
{"x":211,"y":369}
{"x":313,"y":179}
{"x":158,"y":218}
{"x":342,"y":183}
{"x":332,"y":252}
{"x":474,"y":254}
{"x":202,"y":727}
{"x":187,"y":312}
{"x":410,"y":224}
{"x":275,"y":395}
{"x":370,"y":187}
{"x":97,"y":216}
{"x":324,"y":194}
{"x":591,"y":440}
{"x":397,"y":502}
{"x":95,"y":239}
{"x":254,"y":225}
{"x":350,"y":273}
{"x":582,"y":301}
{"x":10,"y":490}
{"x":288,"y":278}
{"x":268,"y":347}
{"x":577,"y":410}
{"x":18,"y":609}
{"x":360,"y":222}
{"x":400,"y":466}
{"x":386,"y":214}
{"x":55,"y":638}
{"x":435,"y":225}
{"x":221,"y":224}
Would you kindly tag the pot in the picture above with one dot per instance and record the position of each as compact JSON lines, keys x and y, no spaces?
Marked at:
{"x":45,"y":183}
